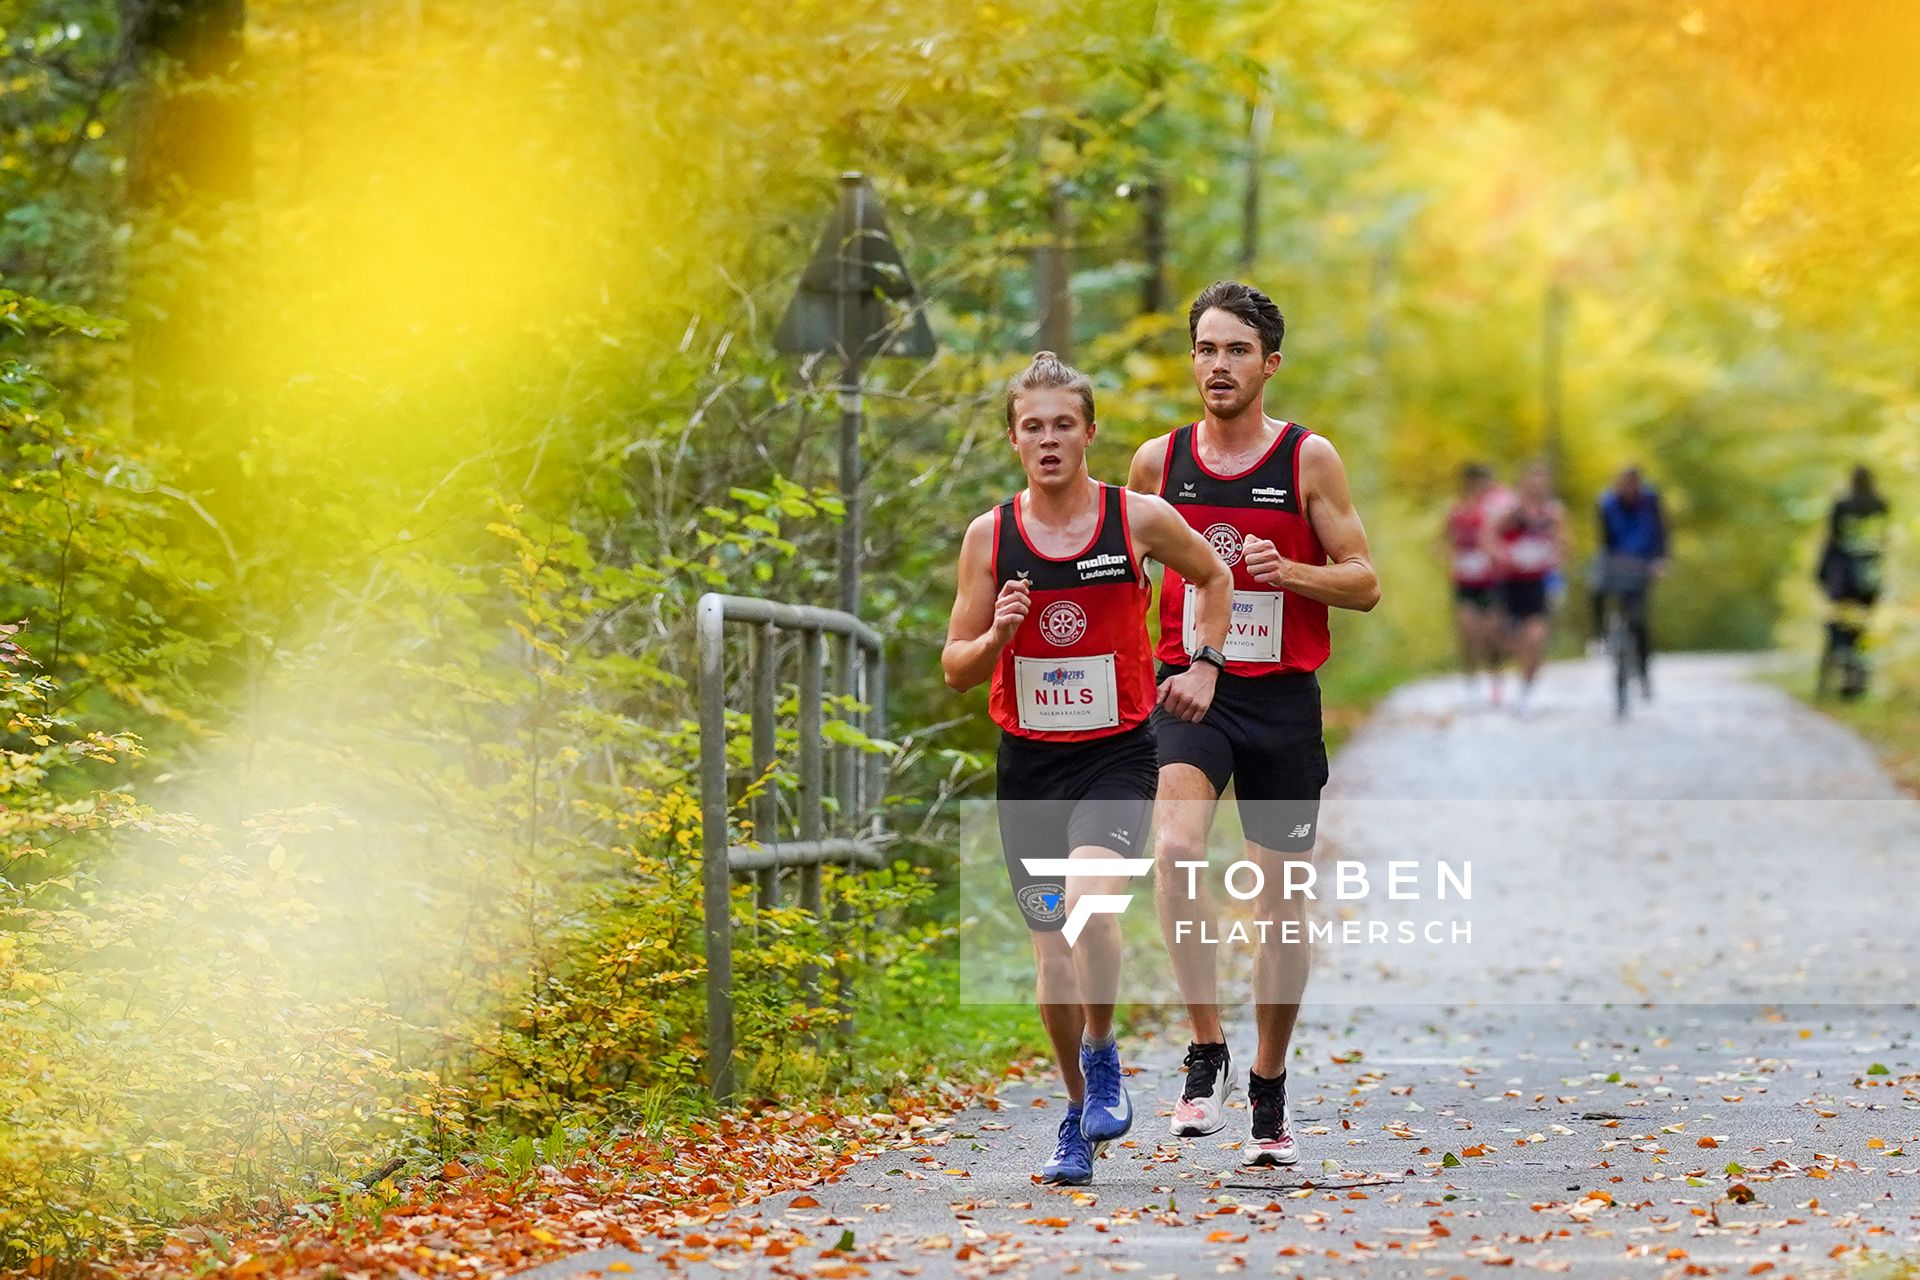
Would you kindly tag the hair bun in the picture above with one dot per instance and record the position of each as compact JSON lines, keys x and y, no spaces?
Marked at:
{"x":1038,"y":356}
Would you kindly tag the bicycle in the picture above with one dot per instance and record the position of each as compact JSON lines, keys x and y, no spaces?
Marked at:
{"x":1623,"y":587}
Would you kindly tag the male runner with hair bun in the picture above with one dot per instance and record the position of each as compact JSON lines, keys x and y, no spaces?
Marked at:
{"x":1051,"y":608}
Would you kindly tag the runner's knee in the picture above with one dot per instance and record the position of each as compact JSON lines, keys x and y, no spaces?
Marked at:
{"x":1053,"y":961}
{"x":1170,"y":849}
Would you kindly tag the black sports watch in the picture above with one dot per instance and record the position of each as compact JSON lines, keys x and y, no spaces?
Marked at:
{"x":1210,"y":654}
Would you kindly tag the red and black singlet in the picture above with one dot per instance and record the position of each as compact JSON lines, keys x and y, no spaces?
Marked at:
{"x":1466,"y":524}
{"x":1272,"y":630}
{"x":1526,"y":542}
{"x":1080,"y":666}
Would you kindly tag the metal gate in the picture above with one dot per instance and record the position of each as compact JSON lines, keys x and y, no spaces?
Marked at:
{"x":850,"y":832}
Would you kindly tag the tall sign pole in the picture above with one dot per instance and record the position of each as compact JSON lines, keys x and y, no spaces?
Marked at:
{"x":856,"y":303}
{"x":853,"y":190}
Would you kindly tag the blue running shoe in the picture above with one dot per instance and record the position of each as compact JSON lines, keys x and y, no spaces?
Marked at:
{"x":1071,"y":1164}
{"x":1109,"y":1111}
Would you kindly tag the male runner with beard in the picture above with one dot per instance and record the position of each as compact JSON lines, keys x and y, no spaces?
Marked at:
{"x":1052,"y":608}
{"x":1272,"y":499}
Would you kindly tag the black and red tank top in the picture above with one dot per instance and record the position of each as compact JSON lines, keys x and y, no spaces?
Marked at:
{"x":1272,"y":630}
{"x":1472,"y":565}
{"x":1080,"y":666}
{"x":1526,"y":542}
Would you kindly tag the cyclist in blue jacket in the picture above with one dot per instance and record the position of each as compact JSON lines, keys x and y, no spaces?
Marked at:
{"x":1633,"y":552}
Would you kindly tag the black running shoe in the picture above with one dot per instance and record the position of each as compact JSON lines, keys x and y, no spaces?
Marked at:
{"x":1272,"y":1139}
{"x":1202,"y":1108}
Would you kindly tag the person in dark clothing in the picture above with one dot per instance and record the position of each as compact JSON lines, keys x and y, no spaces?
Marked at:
{"x":1633,"y":552}
{"x":1850,"y":568}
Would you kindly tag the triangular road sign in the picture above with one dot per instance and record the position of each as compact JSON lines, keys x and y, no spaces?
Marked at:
{"x":856,"y":298}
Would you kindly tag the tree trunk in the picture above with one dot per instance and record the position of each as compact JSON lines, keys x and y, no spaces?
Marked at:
{"x":1153,"y":245}
{"x":1259,"y":123}
{"x":1053,"y":277}
{"x":190,"y":170}
{"x":1553,"y":324}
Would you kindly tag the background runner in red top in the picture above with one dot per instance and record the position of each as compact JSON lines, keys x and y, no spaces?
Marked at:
{"x":1472,"y":566}
{"x":1272,"y":630}
{"x":1051,"y":682}
{"x":1527,"y":541}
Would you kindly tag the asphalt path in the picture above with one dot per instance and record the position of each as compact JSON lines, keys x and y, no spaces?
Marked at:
{"x":1681,"y":1040}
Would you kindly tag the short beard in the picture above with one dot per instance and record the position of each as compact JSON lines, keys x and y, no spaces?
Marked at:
{"x":1235,"y":410}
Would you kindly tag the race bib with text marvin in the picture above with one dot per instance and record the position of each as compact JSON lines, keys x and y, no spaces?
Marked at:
{"x":1254,"y":633}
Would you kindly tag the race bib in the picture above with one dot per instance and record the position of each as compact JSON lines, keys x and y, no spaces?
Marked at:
{"x":1531,"y":554}
{"x":1254,"y":633}
{"x":1063,"y":694}
{"x":1469,"y":565}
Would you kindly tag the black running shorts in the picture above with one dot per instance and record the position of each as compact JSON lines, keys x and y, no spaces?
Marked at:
{"x":1263,"y":734}
{"x":1482,"y":598}
{"x":1055,"y":797}
{"x":1526,"y":598}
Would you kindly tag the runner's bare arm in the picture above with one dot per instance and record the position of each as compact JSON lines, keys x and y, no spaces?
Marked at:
{"x":1159,"y":532}
{"x":1348,"y":580}
{"x":1149,"y":463}
{"x":982,"y":622}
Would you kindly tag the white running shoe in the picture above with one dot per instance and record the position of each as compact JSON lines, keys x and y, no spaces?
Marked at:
{"x":1202,"y":1108}
{"x":1271,"y":1141}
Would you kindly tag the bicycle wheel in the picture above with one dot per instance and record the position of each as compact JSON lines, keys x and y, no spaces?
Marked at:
{"x":1620,"y":649}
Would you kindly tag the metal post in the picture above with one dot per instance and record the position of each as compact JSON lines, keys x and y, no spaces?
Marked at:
{"x":766,"y":806}
{"x":811,"y":825}
{"x":876,"y":728}
{"x":846,"y":786}
{"x":716,"y":883}
{"x":811,"y":792}
{"x":840,"y":761}
{"x":852,"y":271}
{"x":850,"y":519}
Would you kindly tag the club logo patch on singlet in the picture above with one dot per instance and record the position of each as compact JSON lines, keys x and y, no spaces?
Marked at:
{"x":1226,"y":543}
{"x":1063,"y":622}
